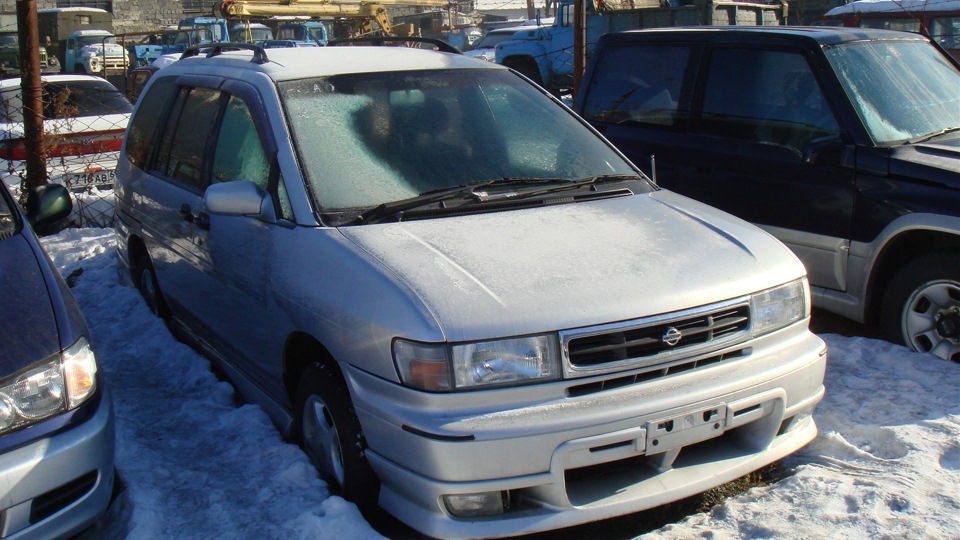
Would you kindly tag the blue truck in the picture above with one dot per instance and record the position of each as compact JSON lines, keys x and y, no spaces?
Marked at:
{"x":546,"y":56}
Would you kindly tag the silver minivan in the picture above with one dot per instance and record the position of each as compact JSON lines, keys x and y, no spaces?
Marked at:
{"x":488,"y":331}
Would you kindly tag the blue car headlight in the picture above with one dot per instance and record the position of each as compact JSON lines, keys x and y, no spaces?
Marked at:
{"x":48,"y":388}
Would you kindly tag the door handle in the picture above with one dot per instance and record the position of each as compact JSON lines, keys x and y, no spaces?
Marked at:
{"x":201,"y":220}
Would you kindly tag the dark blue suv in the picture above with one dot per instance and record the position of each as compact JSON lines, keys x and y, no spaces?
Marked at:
{"x":844,"y":143}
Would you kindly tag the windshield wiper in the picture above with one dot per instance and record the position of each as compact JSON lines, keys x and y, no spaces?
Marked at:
{"x":478,"y":191}
{"x":396,"y":208}
{"x":926,"y":138}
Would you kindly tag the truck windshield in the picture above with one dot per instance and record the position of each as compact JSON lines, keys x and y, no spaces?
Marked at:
{"x":901,"y":89}
{"x":372,"y":138}
{"x":83,"y":41}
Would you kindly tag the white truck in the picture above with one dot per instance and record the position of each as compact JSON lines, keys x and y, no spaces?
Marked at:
{"x":94,"y":52}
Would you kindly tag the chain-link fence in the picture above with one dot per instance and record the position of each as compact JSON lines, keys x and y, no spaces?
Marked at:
{"x":83,"y":123}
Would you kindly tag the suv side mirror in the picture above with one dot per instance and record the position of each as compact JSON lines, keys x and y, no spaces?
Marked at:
{"x":236,"y":198}
{"x":48,"y":204}
{"x":827,"y":150}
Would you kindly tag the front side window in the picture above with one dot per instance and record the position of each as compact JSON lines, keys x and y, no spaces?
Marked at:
{"x":946,"y":32}
{"x":901,"y":89}
{"x":239,"y":154}
{"x":770,"y":97}
{"x":368,"y":139}
{"x":637,"y":84}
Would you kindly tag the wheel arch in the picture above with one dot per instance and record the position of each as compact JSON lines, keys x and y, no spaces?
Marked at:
{"x":300,"y":351}
{"x":901,"y":248}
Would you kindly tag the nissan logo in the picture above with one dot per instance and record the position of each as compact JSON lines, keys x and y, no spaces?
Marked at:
{"x":671,"y":336}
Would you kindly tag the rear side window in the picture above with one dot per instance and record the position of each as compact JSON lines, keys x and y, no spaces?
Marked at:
{"x":142,"y":131}
{"x":638,"y":84}
{"x":185,"y":140}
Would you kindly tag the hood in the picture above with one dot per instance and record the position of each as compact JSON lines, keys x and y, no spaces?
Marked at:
{"x":936,"y":161}
{"x":98,"y":48}
{"x":574,"y":265}
{"x":28,"y":326}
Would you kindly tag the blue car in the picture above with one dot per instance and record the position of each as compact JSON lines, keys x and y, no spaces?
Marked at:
{"x":56,"y":419}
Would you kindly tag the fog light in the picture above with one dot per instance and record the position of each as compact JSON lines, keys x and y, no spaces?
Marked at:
{"x":490,"y":503}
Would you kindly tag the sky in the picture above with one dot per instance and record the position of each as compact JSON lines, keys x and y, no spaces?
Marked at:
{"x":197,"y":463}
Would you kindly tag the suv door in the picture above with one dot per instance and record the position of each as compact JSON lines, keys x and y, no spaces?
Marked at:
{"x":765,"y":146}
{"x":215,"y":135}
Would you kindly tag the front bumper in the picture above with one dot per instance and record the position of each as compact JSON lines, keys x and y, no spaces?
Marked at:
{"x":57,"y":486}
{"x":563,"y":462}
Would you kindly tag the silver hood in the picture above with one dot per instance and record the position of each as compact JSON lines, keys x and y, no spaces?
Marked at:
{"x":574,"y":265}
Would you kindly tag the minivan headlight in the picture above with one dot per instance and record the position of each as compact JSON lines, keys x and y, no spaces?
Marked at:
{"x":777,"y":307}
{"x":49,"y":388}
{"x":481,"y":364}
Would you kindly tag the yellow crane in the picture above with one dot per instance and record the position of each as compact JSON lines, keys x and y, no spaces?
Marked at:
{"x":357,"y":10}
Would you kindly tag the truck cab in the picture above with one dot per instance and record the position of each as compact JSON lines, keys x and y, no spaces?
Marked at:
{"x":93,"y":52}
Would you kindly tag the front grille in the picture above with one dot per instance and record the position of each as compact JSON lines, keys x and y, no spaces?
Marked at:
{"x":651,"y":340}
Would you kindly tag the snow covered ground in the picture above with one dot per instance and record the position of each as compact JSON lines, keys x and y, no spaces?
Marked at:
{"x":196,"y":465}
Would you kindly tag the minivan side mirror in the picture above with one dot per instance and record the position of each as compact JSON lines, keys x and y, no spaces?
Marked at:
{"x":236,"y":198}
{"x":47,"y":204}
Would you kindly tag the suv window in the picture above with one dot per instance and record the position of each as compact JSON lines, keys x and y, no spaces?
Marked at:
{"x":638,"y":84}
{"x":184,"y":142}
{"x":765,"y":96}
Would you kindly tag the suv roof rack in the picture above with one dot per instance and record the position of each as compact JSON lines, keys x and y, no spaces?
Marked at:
{"x":216,"y":49}
{"x":438,"y":44}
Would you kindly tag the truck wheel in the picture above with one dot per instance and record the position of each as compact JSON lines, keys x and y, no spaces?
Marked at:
{"x":331,"y":437}
{"x":922,"y":305}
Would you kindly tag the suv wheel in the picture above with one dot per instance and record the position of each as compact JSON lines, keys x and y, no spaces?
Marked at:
{"x":922,"y":306}
{"x":331,"y":437}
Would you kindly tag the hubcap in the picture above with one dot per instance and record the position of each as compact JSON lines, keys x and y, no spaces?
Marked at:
{"x":931,"y":319}
{"x":320,"y":440}
{"x":148,"y":290}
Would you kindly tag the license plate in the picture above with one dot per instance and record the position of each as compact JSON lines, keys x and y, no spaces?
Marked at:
{"x":81,"y":180}
{"x":685,"y":429}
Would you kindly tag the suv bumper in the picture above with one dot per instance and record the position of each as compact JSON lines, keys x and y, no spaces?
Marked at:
{"x":568,"y":461}
{"x":59,"y":485}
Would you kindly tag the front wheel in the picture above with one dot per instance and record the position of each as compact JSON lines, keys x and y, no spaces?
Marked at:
{"x":331,"y":437}
{"x":145,"y":278}
{"x":922,"y":305}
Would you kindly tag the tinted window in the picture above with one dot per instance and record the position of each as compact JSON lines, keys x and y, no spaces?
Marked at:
{"x":8,"y":218}
{"x":141,"y":133}
{"x":185,"y":140}
{"x":637,"y":84}
{"x":765,"y":96}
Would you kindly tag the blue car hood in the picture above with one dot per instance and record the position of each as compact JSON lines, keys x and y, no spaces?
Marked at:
{"x":28,"y":326}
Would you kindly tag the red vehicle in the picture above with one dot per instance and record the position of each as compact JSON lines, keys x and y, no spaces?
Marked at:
{"x":939,"y":19}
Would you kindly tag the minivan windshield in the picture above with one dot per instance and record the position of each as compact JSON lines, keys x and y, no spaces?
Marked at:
{"x":901,"y":89}
{"x":372,"y":138}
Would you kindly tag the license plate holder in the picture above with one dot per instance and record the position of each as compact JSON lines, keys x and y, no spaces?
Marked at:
{"x":686,"y":428}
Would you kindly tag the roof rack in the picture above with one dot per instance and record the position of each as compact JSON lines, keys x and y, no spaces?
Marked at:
{"x":438,"y":44}
{"x":216,"y":49}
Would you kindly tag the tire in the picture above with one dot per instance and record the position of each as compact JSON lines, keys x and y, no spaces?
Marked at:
{"x":145,"y":279}
{"x":330,"y":435}
{"x":921,"y":308}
